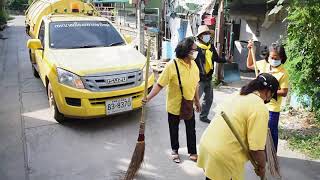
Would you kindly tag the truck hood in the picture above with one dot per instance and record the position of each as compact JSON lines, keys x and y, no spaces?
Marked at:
{"x":87,"y":61}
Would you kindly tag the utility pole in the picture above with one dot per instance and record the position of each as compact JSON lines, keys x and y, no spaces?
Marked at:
{"x":220,"y":40}
{"x":140,"y":18}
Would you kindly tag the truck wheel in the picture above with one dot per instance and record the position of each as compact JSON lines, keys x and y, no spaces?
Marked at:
{"x":34,"y":71}
{"x":59,"y":117}
{"x":30,"y":57}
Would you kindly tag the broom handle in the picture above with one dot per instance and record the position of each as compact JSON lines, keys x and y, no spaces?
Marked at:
{"x":243,"y":145}
{"x":145,"y":93}
{"x":147,"y":71}
{"x":253,"y":54}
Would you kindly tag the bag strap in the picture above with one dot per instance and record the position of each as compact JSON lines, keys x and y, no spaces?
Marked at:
{"x":180,"y":84}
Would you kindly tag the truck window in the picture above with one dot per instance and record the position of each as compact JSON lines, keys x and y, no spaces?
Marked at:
{"x":41,"y":33}
{"x":83,"y":34}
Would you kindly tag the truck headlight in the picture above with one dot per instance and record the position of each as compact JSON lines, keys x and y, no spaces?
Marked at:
{"x":69,"y":79}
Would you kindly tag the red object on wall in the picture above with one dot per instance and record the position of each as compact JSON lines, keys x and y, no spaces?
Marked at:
{"x":210,"y":20}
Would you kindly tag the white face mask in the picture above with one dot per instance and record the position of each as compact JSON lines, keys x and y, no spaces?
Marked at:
{"x":274,"y":62}
{"x":206,"y":38}
{"x":194,"y":55}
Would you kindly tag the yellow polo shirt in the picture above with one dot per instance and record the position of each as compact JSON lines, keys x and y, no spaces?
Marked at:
{"x":189,"y":78}
{"x":220,"y":154}
{"x":281,"y":75}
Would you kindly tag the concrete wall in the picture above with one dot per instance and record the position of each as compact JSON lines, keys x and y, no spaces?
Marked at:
{"x":265,"y":36}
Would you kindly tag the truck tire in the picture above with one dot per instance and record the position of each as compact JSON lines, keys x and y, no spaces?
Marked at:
{"x":28,"y":30}
{"x":34,"y":71}
{"x":59,"y":117}
{"x":30,"y":57}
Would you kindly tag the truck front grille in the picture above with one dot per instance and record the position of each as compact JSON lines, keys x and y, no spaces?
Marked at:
{"x":114,"y":81}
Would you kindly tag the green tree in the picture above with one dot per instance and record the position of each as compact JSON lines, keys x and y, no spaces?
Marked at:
{"x":303,"y":49}
{"x":3,"y":13}
{"x":19,"y":5}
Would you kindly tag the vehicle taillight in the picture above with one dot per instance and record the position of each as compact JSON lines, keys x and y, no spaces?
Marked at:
{"x":75,"y":7}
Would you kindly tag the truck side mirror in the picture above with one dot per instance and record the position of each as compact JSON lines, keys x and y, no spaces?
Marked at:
{"x":34,"y":44}
{"x":128,"y":38}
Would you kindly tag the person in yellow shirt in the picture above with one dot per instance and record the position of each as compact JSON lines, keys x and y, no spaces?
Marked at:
{"x":273,"y":64}
{"x":220,"y":154}
{"x":189,"y":76}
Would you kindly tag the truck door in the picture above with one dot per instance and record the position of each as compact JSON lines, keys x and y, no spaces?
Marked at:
{"x":39,"y":54}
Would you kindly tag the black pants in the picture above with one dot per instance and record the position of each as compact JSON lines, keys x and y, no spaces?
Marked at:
{"x":190,"y":131}
{"x":206,"y":88}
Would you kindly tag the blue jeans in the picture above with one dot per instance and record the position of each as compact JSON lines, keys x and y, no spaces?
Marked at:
{"x":273,"y":125}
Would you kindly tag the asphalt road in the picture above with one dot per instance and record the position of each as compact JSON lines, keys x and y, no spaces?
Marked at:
{"x":34,"y":147}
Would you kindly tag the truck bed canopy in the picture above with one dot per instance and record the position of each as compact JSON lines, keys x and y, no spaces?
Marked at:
{"x":40,"y":8}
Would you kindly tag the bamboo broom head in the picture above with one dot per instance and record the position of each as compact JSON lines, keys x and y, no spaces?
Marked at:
{"x":136,"y":161}
{"x":272,"y":158}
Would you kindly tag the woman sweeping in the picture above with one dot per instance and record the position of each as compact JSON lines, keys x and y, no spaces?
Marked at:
{"x":220,"y":154}
{"x":273,"y":64}
{"x":181,"y":76}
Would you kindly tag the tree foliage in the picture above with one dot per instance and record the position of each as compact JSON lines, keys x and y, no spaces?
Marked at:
{"x":303,"y":48}
{"x":19,"y":5}
{"x":4,"y":16}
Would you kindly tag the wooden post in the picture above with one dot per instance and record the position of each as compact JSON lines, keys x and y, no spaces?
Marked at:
{"x":163,"y":16}
{"x":219,"y":40}
{"x":140,"y":27}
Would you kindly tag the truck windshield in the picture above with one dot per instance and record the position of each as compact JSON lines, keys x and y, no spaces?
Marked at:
{"x":83,"y":34}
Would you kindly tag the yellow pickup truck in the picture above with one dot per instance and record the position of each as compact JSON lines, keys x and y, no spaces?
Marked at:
{"x":87,"y":66}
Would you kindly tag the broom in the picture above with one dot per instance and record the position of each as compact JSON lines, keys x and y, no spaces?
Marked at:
{"x":243,"y":145}
{"x":138,"y":154}
{"x":272,"y":159}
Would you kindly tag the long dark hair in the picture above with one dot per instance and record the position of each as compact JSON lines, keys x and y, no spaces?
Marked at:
{"x":254,"y":85}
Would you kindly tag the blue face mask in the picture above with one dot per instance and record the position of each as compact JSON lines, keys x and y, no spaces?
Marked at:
{"x":274,"y":62}
{"x":206,"y":38}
